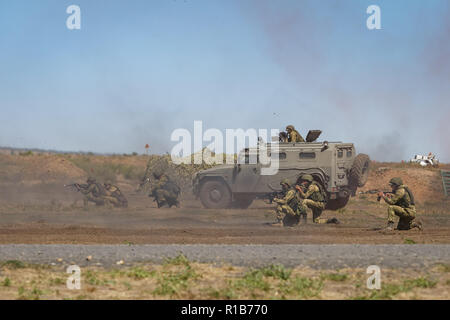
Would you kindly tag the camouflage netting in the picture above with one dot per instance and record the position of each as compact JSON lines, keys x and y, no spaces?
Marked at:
{"x":182,"y":174}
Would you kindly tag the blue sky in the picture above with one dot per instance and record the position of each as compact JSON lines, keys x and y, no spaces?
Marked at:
{"x":137,"y":70}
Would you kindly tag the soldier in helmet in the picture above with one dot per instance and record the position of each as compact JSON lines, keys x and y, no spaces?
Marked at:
{"x":293,"y":135}
{"x":401,"y":204}
{"x":288,"y":205}
{"x":116,"y":197}
{"x":164,"y":191}
{"x":313,"y":198}
{"x":94,"y":192}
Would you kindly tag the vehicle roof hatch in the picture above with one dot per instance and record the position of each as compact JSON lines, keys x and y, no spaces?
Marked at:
{"x":313,"y":135}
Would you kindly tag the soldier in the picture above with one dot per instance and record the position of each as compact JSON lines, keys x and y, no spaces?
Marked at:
{"x":114,"y":192}
{"x":313,"y":198}
{"x":94,"y":192}
{"x":293,"y":135}
{"x":401,"y":204}
{"x":164,"y":191}
{"x":288,"y":205}
{"x":283,"y":136}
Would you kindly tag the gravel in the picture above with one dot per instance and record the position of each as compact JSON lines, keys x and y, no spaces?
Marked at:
{"x":315,"y":256}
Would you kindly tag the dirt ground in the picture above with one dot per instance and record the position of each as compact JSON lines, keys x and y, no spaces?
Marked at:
{"x":144,"y":223}
{"x":36,"y":208}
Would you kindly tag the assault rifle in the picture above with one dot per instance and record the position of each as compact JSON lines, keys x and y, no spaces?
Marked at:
{"x":376,"y":191}
{"x":76,"y":186}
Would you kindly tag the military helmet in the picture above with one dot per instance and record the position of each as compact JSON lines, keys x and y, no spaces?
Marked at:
{"x":396,"y":181}
{"x":290,"y":127}
{"x":286,"y":182}
{"x":158,"y":172}
{"x":90,"y":180}
{"x":307,"y":177}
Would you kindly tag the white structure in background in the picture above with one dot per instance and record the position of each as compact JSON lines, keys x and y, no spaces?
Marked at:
{"x":424,"y":161}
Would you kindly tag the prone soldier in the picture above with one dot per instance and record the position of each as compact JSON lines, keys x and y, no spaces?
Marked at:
{"x":114,"y":192}
{"x":94,"y":192}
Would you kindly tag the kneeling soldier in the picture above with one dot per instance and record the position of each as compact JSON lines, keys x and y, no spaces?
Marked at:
{"x":287,"y":208}
{"x":401,"y":204}
{"x":313,"y":199}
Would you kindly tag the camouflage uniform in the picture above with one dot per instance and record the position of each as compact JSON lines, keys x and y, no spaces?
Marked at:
{"x":401,"y":204}
{"x":165,"y":191}
{"x":313,"y":199}
{"x":117,"y":198}
{"x":293,"y":135}
{"x":288,"y":205}
{"x":96,"y":193}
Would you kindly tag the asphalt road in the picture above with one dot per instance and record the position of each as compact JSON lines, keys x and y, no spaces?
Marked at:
{"x":315,"y":256}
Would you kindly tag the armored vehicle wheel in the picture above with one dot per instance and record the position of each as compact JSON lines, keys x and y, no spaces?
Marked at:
{"x":242,"y":202}
{"x":215,"y":194}
{"x":336,"y":204}
{"x":359,"y":172}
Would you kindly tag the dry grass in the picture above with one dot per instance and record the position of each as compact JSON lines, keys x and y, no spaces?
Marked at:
{"x":182,"y":279}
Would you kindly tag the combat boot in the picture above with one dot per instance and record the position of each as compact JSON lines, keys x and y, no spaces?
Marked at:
{"x":333,"y":220}
{"x":278,"y":223}
{"x":390,"y":226}
{"x":417,"y":225}
{"x":303,"y":220}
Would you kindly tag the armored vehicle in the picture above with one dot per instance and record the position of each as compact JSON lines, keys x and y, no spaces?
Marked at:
{"x":334,"y":165}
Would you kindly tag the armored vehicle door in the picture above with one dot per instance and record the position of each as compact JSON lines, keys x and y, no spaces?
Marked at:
{"x":246,"y":173}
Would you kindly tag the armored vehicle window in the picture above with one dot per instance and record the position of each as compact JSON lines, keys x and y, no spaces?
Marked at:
{"x":307,"y":155}
{"x":250,"y":159}
{"x":281,"y":155}
{"x":340,"y":154}
{"x":349,"y":153}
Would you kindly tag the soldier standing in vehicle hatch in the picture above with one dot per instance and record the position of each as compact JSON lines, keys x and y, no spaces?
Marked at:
{"x":293,"y":135}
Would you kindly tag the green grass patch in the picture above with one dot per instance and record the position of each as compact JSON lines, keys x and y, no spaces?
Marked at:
{"x":139,"y":273}
{"x":171,"y":282}
{"x":56,"y":281}
{"x":338,"y":277}
{"x":14,"y":264}
{"x":301,"y":287}
{"x":420,"y":283}
{"x":33,"y":294}
{"x":253,"y":280}
{"x":409,"y":241}
{"x":6,"y":282}
{"x":389,"y":291}
{"x":179,"y":260}
{"x":276,"y":271}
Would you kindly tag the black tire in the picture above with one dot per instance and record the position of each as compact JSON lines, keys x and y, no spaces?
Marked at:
{"x":242,"y":202}
{"x":336,"y":204}
{"x":214,"y":194}
{"x":359,"y":173}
